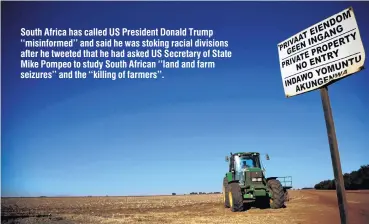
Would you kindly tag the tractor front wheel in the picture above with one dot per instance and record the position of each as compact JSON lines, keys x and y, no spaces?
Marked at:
{"x":225,"y":193}
{"x":235,"y":197}
{"x":277,"y":199}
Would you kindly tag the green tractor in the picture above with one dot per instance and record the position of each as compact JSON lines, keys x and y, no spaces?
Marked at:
{"x":246,"y":182}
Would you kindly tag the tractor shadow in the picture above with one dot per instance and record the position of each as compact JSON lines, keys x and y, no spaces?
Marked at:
{"x":247,"y":206}
{"x":253,"y":205}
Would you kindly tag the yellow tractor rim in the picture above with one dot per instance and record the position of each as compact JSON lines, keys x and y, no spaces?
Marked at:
{"x":230,"y":199}
{"x":271,"y":201}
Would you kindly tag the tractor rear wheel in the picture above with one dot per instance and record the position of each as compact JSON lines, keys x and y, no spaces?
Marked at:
{"x":277,"y":200}
{"x":286,"y":196}
{"x":225,"y":193}
{"x":235,"y":197}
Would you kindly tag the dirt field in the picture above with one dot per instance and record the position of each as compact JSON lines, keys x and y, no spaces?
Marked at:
{"x":307,"y":206}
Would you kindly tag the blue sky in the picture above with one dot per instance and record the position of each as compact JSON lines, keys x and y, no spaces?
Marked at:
{"x":95,"y":137}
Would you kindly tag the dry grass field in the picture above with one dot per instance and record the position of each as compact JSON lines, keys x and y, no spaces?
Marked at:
{"x":307,"y":206}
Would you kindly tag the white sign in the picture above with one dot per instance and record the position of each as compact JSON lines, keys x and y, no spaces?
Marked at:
{"x":321,"y":54}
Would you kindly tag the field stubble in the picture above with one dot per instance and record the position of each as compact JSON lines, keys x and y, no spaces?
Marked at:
{"x":158,"y":209}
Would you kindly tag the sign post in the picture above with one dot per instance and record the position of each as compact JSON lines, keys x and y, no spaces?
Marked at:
{"x":317,"y":57}
{"x":335,"y":155}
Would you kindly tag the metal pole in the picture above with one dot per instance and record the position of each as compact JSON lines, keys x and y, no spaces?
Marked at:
{"x":335,"y":156}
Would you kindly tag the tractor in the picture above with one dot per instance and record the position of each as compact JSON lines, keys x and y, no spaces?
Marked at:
{"x":245,"y":181}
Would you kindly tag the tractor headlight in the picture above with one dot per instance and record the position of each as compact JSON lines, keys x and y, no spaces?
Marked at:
{"x":254,"y":179}
{"x":260,"y":179}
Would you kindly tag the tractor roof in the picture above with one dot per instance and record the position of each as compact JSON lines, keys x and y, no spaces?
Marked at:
{"x":246,"y":153}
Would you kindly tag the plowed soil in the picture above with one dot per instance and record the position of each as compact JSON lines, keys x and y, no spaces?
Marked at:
{"x":307,"y":206}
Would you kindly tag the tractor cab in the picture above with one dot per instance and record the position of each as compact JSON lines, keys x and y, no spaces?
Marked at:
{"x":242,"y":163}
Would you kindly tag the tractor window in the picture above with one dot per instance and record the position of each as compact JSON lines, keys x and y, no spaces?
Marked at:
{"x":237,"y":163}
{"x":245,"y":162}
{"x":249,"y":162}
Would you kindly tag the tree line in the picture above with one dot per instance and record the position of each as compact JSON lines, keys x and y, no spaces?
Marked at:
{"x":356,"y":180}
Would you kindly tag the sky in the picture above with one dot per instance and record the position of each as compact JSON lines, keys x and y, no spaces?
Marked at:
{"x":140,"y":137}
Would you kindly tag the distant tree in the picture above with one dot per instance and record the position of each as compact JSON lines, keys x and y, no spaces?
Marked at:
{"x":356,"y":180}
{"x":173,"y":193}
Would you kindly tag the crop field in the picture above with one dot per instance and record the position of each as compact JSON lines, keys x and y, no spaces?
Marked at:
{"x":306,"y":206}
